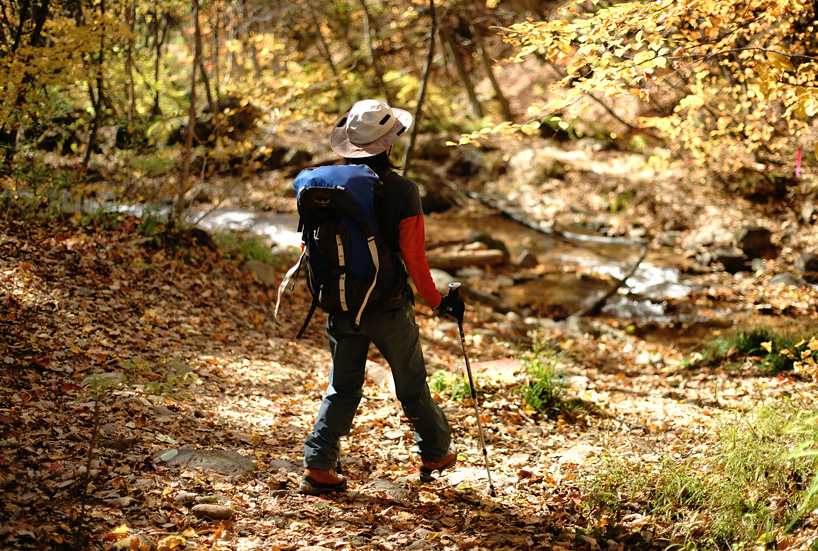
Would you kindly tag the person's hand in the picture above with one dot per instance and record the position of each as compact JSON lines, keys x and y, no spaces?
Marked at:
{"x":452,"y":305}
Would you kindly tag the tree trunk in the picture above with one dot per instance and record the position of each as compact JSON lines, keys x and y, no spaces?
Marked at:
{"x":214,"y":50}
{"x":96,"y":101}
{"x":129,"y":19}
{"x":160,"y":35}
{"x":462,"y":73}
{"x":40,"y":16}
{"x":407,"y":154}
{"x":373,"y":58}
{"x":487,"y":64}
{"x":197,"y":55}
{"x":184,"y":178}
{"x":322,"y":40}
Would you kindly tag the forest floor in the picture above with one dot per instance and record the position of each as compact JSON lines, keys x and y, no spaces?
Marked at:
{"x":192,"y":358}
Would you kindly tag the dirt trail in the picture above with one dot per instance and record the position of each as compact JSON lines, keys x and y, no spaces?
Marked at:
{"x":77,"y":301}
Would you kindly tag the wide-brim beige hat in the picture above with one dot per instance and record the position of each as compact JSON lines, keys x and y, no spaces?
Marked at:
{"x":369,"y":128}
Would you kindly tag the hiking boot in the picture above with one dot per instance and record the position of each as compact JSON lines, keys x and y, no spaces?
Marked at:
{"x":427,"y":466}
{"x":317,"y":482}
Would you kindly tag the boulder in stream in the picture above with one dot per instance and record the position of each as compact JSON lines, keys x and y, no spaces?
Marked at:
{"x":526,"y":259}
{"x":806,"y":263}
{"x":730,"y":258}
{"x":788,"y":279}
{"x":755,"y":241}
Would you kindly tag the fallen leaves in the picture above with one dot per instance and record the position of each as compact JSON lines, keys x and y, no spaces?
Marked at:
{"x":186,"y":355}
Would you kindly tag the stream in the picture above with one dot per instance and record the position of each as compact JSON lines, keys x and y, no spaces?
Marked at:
{"x":656,"y":302}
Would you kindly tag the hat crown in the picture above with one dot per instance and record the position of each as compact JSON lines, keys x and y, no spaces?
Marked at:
{"x":368,"y":120}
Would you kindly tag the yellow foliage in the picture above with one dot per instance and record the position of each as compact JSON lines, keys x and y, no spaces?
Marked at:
{"x":735,"y":60}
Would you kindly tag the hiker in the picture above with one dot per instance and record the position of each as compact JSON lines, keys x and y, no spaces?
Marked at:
{"x":365,"y":136}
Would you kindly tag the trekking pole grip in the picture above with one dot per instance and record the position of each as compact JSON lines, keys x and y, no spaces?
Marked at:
{"x":454,"y":286}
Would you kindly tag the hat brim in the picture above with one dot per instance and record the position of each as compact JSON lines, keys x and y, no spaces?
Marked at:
{"x":343,"y":147}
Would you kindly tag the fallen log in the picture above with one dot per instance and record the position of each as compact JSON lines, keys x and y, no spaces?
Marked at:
{"x":570,"y":236}
{"x":453,"y":260}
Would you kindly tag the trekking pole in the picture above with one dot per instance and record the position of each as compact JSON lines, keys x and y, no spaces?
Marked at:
{"x":453,"y":291}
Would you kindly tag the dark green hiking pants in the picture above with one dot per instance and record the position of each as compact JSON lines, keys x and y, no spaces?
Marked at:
{"x":396,"y":335}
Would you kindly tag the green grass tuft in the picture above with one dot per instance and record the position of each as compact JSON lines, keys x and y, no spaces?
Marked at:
{"x":761,"y":347}
{"x":751,"y":480}
{"x":544,"y":385}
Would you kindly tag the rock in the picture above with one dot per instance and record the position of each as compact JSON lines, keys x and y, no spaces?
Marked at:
{"x":669,"y":239}
{"x":379,"y":375}
{"x":788,"y":279}
{"x":705,"y":238}
{"x":393,"y":434}
{"x":757,"y":265}
{"x":137,"y":401}
{"x":578,"y":454}
{"x":109,"y":428}
{"x":203,"y":238}
{"x":732,"y":259}
{"x":754,"y":241}
{"x":225,"y":461}
{"x":675,"y":224}
{"x":260,"y":271}
{"x":185,"y":498}
{"x":283,"y":464}
{"x":807,"y":262}
{"x":518,"y":460}
{"x":119,"y":444}
{"x":162,"y":411}
{"x":490,"y":242}
{"x":119,"y":502}
{"x":637,"y":233}
{"x":212,"y":511}
{"x":526,"y":259}
{"x":514,"y":317}
{"x":391,"y":489}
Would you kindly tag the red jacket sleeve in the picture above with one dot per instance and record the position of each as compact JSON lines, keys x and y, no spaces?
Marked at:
{"x":412,"y":241}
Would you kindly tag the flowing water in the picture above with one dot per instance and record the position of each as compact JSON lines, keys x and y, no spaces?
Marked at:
{"x":658,"y":299}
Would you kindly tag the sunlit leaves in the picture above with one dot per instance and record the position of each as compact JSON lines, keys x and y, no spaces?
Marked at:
{"x":745,"y":67}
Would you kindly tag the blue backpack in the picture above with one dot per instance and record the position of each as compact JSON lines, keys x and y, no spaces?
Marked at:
{"x":350,"y":268}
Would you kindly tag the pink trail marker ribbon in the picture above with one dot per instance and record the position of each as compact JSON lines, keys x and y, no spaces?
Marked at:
{"x":798,"y":164}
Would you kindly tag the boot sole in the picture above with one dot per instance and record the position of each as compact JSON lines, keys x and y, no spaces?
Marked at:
{"x":310,"y":486}
{"x":426,"y":472}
